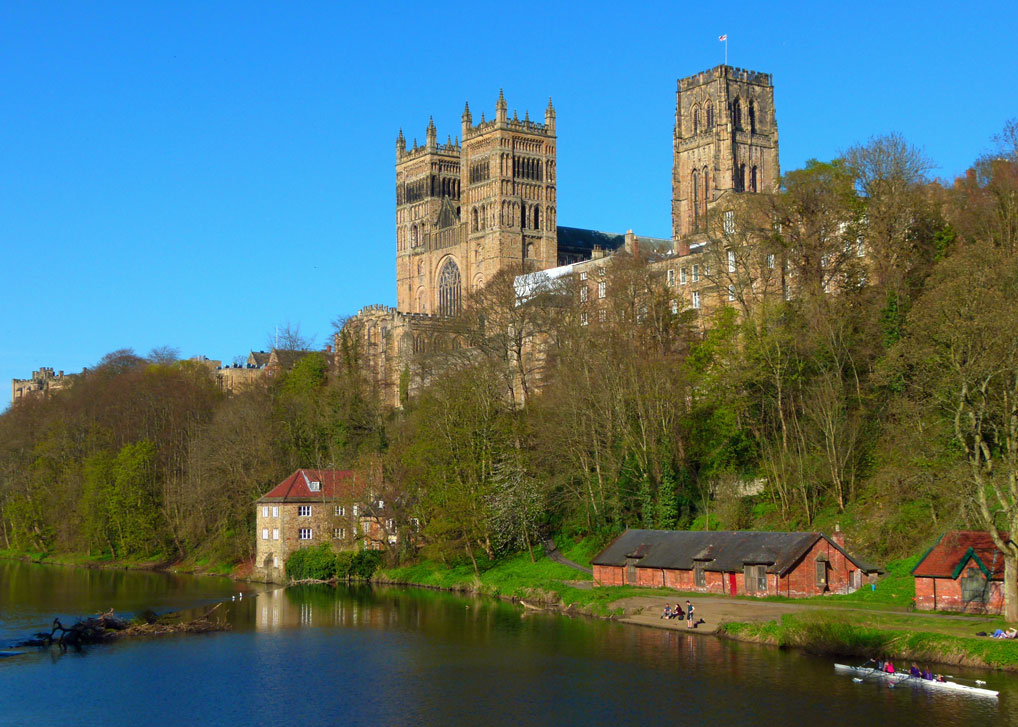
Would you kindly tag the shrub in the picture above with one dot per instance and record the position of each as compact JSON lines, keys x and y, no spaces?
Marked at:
{"x":318,"y":563}
{"x":365,"y":563}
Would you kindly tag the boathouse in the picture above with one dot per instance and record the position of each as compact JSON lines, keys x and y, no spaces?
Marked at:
{"x":795,"y":565}
{"x":963,"y":571}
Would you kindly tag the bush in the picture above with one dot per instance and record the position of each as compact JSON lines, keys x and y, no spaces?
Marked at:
{"x":318,"y":563}
{"x":365,"y":563}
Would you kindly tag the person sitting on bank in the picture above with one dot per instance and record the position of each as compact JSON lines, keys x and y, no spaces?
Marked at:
{"x":677,"y":610}
{"x":668,"y":611}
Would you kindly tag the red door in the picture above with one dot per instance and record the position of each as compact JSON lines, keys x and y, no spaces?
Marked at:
{"x":731,"y":584}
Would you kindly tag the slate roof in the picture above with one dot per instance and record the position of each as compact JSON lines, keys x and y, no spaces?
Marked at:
{"x":577,"y":241}
{"x":334,"y":484}
{"x":956,"y":550}
{"x":724,"y":550}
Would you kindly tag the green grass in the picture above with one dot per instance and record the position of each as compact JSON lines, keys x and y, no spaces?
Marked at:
{"x":899,"y":636}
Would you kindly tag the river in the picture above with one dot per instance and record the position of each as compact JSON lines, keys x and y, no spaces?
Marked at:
{"x":317,"y":655}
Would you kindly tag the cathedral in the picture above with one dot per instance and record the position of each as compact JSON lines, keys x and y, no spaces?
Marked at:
{"x":485,"y":202}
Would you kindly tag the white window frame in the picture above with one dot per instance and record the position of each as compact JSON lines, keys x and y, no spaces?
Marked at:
{"x":275,"y":533}
{"x":583,"y":275}
{"x":770,"y":261}
{"x":265,"y":533}
{"x":583,"y":294}
{"x":265,"y":510}
{"x":675,"y":306}
{"x":731,"y":293}
{"x":602,"y":289}
{"x":356,"y":510}
{"x":583,"y":318}
{"x":729,"y":222}
{"x":305,"y":534}
{"x":339,"y":533}
{"x":275,"y":511}
{"x":696,"y":299}
{"x":303,"y":511}
{"x":696,"y":273}
{"x":682,"y":276}
{"x":671,"y":277}
{"x":731,"y":261}
{"x":339,"y":511}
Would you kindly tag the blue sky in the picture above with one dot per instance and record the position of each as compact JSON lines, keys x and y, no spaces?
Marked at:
{"x":194,"y":175}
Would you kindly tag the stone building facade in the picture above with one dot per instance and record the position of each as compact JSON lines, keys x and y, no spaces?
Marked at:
{"x":469,"y":209}
{"x":42,"y":382}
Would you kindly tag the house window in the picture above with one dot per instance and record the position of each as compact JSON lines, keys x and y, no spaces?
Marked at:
{"x":974,"y":587}
{"x":671,"y":277}
{"x":731,"y":293}
{"x":682,"y":276}
{"x":305,"y":533}
{"x":583,"y":294}
{"x":356,"y":510}
{"x":265,"y":533}
{"x":275,"y":533}
{"x":602,"y":316}
{"x":265,"y":511}
{"x":583,"y":275}
{"x":756,"y":578}
{"x":701,"y":577}
{"x":275,"y":511}
{"x":381,"y":504}
{"x":390,"y":525}
{"x":601,"y":289}
{"x":770,"y":262}
{"x":696,"y":298}
{"x":675,"y":306}
{"x":304,"y":510}
{"x":731,"y":261}
{"x":600,"y":272}
{"x":729,"y":222}
{"x":340,"y":511}
{"x":315,"y":486}
{"x":339,"y":533}
{"x":696,"y":273}
{"x":821,"y":574}
{"x":583,"y":318}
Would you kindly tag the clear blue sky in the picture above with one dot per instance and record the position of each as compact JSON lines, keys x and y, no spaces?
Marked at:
{"x":193,"y":175}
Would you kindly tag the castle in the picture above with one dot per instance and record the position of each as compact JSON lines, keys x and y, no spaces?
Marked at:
{"x":477,"y":205}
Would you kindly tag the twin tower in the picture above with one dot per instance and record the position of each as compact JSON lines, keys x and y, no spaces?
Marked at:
{"x":468,"y":208}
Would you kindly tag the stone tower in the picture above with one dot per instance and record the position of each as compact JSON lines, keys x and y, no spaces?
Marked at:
{"x":726,"y":139}
{"x":466,"y":211}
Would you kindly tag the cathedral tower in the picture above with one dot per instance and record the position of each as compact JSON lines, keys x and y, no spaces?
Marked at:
{"x":466,"y":211}
{"x":726,"y":139}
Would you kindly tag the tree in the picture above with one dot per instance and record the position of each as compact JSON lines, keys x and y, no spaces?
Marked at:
{"x":961,"y":356}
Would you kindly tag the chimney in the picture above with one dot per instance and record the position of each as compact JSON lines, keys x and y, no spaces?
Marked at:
{"x":631,"y":247}
{"x":838,"y":536}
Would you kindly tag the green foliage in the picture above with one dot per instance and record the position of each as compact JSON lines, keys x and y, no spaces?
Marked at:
{"x":365,"y":563}
{"x":318,"y":563}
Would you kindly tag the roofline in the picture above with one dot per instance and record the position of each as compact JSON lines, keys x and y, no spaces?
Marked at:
{"x":971,"y":554}
{"x":927,"y":553}
{"x":605,"y":548}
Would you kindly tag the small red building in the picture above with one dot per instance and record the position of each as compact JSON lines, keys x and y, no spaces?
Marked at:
{"x":963,"y":571}
{"x":795,"y":565}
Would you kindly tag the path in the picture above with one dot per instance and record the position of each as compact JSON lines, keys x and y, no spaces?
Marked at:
{"x":552,"y":551}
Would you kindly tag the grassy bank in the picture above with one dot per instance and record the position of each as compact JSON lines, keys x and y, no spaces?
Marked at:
{"x":542,"y":581}
{"x":923,"y":639}
{"x":200,"y":565}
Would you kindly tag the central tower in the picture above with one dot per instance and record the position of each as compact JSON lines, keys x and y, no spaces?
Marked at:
{"x":465,"y":211}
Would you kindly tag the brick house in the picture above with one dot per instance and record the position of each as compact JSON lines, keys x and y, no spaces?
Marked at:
{"x":963,"y":571}
{"x":795,"y":565}
{"x":306,"y":509}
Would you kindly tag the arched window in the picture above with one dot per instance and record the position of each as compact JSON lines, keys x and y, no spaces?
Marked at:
{"x":474,"y":227}
{"x":741,"y":181}
{"x":696,"y":120}
{"x":537,"y":217}
{"x":710,"y":116}
{"x":413,"y":236}
{"x":737,"y":114}
{"x":706,"y":194}
{"x":752,"y":117}
{"x":420,"y":302}
{"x":523,"y":217}
{"x":529,"y":253}
{"x":449,"y":289}
{"x":695,"y":188}
{"x":752,"y":180}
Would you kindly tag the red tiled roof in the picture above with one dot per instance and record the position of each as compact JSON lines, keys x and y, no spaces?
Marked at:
{"x":958,"y":549}
{"x":334,"y":484}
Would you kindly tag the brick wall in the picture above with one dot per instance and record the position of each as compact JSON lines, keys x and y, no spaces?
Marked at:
{"x":608,"y":575}
{"x":944,"y":594}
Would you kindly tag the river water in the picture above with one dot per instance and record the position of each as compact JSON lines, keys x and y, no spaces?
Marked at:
{"x":318,"y":655}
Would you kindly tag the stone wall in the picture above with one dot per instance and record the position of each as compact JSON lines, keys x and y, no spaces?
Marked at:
{"x":271,"y":552}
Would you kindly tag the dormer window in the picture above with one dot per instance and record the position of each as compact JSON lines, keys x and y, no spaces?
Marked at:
{"x":381,"y":504}
{"x":315,"y":486}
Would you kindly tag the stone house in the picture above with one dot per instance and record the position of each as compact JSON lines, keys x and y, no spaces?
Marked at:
{"x":308,"y":508}
{"x":794,"y":565}
{"x":963,"y":571}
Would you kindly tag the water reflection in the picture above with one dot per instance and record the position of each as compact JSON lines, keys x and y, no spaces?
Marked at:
{"x":322,"y":655}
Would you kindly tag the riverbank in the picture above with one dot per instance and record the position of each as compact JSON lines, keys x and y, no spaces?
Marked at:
{"x":198,"y":567}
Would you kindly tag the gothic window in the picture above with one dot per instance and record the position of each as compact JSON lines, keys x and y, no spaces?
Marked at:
{"x":474,"y":226}
{"x":737,"y":114}
{"x":530,"y":250}
{"x":420,"y":307}
{"x":696,"y":120}
{"x":413,"y":236}
{"x":696,"y":199}
{"x":706,"y":195}
{"x":537,"y":216}
{"x":752,"y":117}
{"x":752,"y":180}
{"x":740,"y":178}
{"x":449,"y":290}
{"x":710,"y":116}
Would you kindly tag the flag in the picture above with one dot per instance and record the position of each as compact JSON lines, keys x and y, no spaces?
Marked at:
{"x":723,"y":37}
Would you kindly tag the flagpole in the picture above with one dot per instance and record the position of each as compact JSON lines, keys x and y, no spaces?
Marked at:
{"x":726,"y":49}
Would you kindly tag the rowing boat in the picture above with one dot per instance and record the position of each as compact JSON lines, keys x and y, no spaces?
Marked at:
{"x":903,"y":678}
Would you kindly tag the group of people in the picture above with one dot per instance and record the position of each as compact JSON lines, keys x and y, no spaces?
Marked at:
{"x":887,"y":666}
{"x":678,"y":612}
{"x":1011,"y":633}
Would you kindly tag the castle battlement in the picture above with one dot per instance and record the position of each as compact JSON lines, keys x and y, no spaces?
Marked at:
{"x":733,"y":73}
